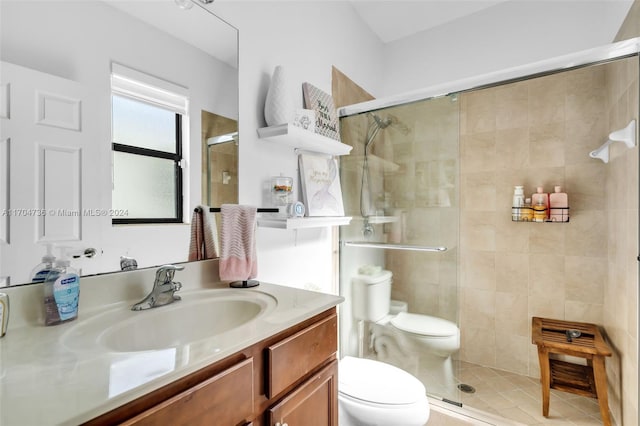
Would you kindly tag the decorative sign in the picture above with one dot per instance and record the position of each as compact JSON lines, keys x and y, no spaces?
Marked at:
{"x":320,"y":184}
{"x":327,"y":123}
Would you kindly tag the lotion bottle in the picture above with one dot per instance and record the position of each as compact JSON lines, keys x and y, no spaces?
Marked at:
{"x":537,"y":199}
{"x":61,"y":292}
{"x":558,"y":205}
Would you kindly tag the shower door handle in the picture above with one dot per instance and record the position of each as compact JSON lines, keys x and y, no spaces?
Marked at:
{"x":388,"y":246}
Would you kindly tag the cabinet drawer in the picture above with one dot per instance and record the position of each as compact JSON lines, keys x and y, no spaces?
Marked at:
{"x":225,"y":399}
{"x":296,"y":356}
{"x":313,"y":403}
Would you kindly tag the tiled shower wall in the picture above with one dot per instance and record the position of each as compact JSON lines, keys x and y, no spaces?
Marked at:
{"x":621,"y":289}
{"x":539,"y":132}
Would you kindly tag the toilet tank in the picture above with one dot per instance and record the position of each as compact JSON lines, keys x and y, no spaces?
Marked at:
{"x":371,"y":296}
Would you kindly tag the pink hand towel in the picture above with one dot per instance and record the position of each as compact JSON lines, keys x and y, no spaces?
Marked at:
{"x":204,"y":235}
{"x":238,"y":261}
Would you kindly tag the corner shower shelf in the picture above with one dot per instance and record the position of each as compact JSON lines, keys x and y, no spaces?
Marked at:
{"x":297,"y":137}
{"x":303,"y":222}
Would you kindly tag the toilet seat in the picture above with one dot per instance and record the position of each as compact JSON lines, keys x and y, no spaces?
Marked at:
{"x":424,"y":325}
{"x":378,"y":383}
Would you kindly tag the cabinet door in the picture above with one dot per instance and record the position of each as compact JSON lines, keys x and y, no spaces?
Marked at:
{"x":313,"y":403}
{"x":224,"y":399}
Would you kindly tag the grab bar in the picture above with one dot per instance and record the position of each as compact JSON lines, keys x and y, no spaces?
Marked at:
{"x":393,"y":246}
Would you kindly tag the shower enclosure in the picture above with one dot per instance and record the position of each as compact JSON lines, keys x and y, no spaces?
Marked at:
{"x":429,"y":185}
{"x":401,"y":186}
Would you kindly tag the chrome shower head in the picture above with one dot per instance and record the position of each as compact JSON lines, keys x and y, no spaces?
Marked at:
{"x":383,"y":124}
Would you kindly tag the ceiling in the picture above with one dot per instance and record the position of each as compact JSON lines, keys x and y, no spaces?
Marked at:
{"x":395,"y":19}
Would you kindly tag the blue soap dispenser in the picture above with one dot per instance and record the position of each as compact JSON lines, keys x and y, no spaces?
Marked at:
{"x":40,"y":272}
{"x":61,"y":291}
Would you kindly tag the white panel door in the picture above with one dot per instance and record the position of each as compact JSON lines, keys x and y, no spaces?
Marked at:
{"x":44,"y":137}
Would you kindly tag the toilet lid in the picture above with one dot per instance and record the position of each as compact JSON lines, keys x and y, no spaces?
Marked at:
{"x":424,"y":324}
{"x":377,"y":382}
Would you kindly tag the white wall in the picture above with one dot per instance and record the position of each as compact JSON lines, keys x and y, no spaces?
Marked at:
{"x":506,"y":35}
{"x":306,"y":38}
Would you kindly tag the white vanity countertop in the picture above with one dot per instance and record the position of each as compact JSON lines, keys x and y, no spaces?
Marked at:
{"x":44,"y":380}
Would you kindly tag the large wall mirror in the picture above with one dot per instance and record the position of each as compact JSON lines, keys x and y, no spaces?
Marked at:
{"x":68,"y":71}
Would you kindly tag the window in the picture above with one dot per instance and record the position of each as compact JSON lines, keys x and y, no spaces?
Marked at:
{"x":147,"y":134}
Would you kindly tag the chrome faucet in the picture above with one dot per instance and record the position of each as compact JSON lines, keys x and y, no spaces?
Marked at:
{"x":163,"y":289}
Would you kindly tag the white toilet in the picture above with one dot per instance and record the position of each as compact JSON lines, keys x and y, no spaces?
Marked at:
{"x":433,"y":339}
{"x":373,"y":393}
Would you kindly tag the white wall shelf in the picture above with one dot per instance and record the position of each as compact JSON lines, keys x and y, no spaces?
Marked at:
{"x":303,"y":222}
{"x":297,"y":137}
{"x":379,"y":219}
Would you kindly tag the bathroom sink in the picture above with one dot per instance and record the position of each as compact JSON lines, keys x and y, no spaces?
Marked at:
{"x":199,"y":315}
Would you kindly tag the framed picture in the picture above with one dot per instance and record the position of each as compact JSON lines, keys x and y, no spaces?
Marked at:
{"x":327,"y":123}
{"x":320,"y":183}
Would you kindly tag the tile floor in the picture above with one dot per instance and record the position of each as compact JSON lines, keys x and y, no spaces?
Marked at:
{"x":518,"y":399}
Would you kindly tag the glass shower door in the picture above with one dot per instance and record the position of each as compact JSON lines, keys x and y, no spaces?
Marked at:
{"x":400,"y":184}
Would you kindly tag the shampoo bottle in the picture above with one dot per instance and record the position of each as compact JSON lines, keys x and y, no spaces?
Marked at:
{"x":558,"y":206}
{"x":537,"y":200}
{"x":517,"y":204}
{"x":61,"y":292}
{"x":40,"y":272}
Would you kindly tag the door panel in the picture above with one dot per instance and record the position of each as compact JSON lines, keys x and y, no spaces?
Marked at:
{"x":45,"y":142}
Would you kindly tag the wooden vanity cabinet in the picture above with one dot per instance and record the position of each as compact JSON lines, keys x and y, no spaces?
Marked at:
{"x":289,"y":378}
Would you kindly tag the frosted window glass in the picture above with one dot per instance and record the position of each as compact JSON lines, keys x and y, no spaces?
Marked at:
{"x":143,"y":125}
{"x":145,"y":186}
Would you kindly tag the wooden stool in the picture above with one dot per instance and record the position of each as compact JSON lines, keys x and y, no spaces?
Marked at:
{"x":553,"y":337}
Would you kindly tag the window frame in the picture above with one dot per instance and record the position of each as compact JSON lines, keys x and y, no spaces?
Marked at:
{"x":147,"y":89}
{"x":152,"y":153}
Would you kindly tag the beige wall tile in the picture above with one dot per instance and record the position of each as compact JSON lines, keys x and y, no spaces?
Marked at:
{"x":546,"y":307}
{"x":586,"y":234}
{"x":546,"y":145}
{"x":546,"y":277}
{"x":586,"y":190}
{"x":584,"y":312}
{"x":478,"y":152}
{"x":547,"y":100}
{"x":582,"y":137}
{"x":512,"y":106}
{"x":512,"y":352}
{"x":478,"y":346}
{"x":478,"y":192}
{"x":479,"y":231}
{"x":479,"y":112}
{"x":513,"y":237}
{"x":585,"y":278}
{"x":547,"y":238}
{"x":512,"y":273}
{"x":512,"y":314}
{"x":480,"y":308}
{"x":478,"y":269}
{"x":512,"y":149}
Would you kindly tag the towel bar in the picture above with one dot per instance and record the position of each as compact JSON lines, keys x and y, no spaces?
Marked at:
{"x":260,"y":210}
